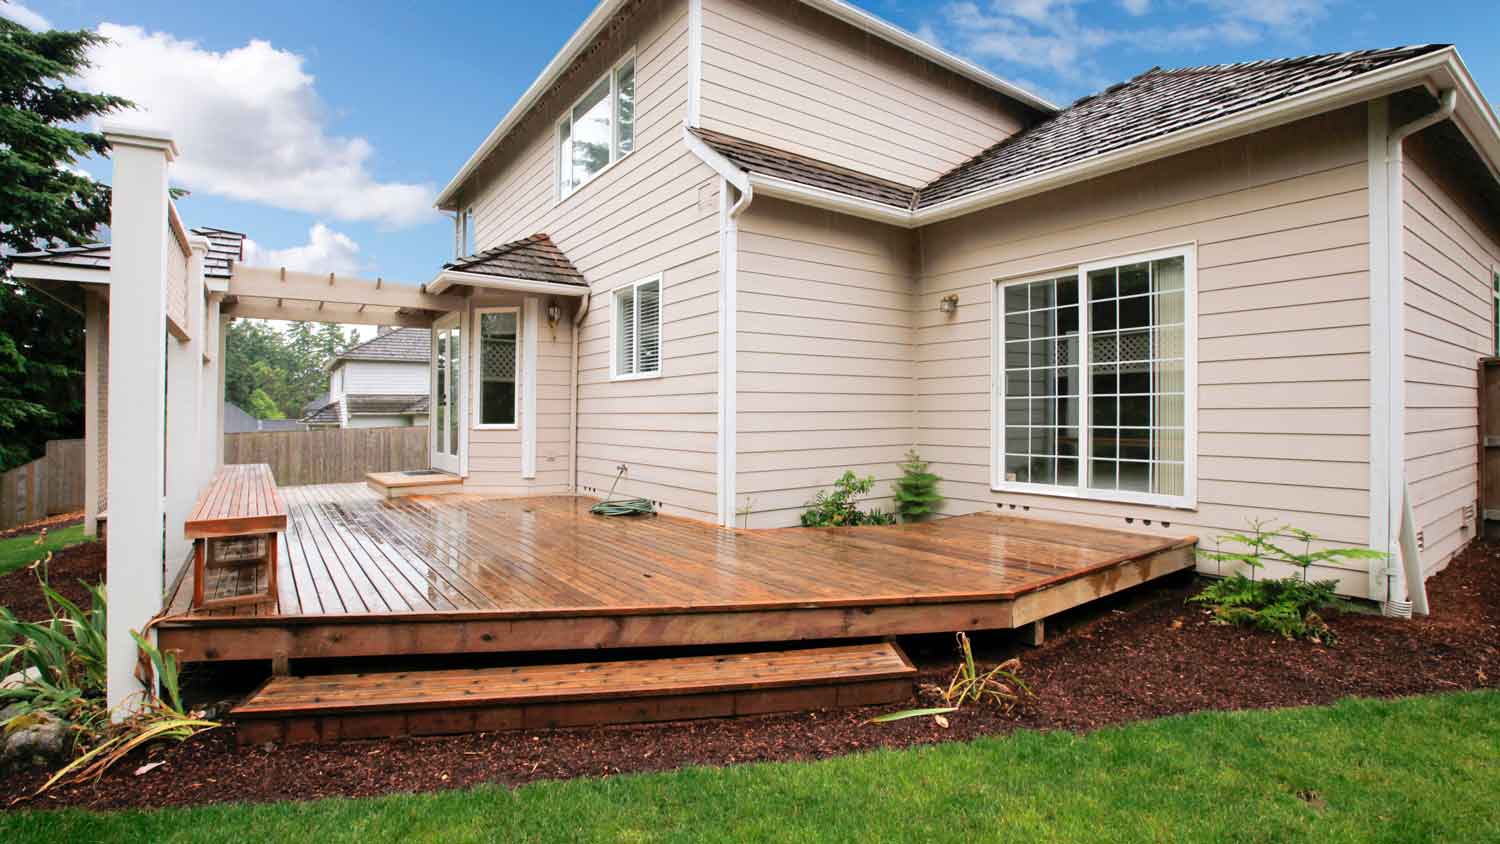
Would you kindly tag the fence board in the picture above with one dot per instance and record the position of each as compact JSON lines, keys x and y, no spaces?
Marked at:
{"x":332,"y":455}
{"x":47,"y":486}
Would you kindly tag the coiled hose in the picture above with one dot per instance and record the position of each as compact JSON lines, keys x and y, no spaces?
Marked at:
{"x":625,"y":506}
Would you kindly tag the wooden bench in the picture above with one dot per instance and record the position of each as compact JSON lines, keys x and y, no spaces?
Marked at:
{"x":234,"y":526}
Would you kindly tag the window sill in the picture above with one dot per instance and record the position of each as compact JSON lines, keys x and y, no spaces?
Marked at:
{"x":1144,"y":499}
{"x":511,"y":427}
{"x":642,"y":376}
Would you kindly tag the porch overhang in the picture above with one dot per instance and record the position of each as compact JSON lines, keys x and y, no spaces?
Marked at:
{"x":267,"y":293}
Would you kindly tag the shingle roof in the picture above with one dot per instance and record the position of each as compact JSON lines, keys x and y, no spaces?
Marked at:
{"x":332,"y":412}
{"x":1156,"y":103}
{"x":534,"y":258}
{"x":224,"y":247}
{"x":754,"y":157}
{"x":1152,"y":105}
{"x":402,"y":344}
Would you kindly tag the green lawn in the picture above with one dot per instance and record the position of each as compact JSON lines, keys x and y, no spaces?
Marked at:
{"x":1420,"y":769}
{"x":21,"y":551}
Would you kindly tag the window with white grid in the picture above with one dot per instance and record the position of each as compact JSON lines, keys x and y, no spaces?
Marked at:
{"x":1092,"y":398}
{"x":636,"y":326}
{"x":498,"y":354}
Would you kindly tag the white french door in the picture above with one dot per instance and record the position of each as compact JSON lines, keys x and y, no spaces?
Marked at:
{"x":447,"y":418}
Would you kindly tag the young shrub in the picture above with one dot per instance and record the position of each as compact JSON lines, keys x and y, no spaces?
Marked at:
{"x":1288,"y":606}
{"x":916,"y":490}
{"x":840,"y":508}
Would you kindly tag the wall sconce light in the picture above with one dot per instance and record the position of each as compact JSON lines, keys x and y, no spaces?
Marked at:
{"x":554,"y":316}
{"x":949,"y":304}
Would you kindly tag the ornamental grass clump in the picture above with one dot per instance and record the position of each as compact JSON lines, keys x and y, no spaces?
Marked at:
{"x":1293,"y":606}
{"x":1000,"y":685}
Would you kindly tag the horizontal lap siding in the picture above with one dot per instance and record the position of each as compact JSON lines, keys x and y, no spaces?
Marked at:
{"x":1280,"y":223}
{"x":1450,"y":256}
{"x":654,"y":211}
{"x":784,"y":74}
{"x":825,"y":357}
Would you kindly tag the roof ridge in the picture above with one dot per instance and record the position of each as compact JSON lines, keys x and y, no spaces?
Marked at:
{"x":1309,"y":59}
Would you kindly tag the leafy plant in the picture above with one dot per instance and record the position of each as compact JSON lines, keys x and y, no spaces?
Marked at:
{"x":66,"y":663}
{"x":1290,"y":606}
{"x":840,"y":508}
{"x":1001,"y":685}
{"x":916,"y":489}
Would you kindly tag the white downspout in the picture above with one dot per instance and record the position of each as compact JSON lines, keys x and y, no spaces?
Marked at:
{"x":585,"y":301}
{"x":1406,"y":589}
{"x":729,"y":340}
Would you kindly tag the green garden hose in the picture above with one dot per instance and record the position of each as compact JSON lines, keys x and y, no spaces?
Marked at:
{"x":623,"y":507}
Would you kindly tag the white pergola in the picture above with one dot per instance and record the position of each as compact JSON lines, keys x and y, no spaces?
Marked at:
{"x":163,"y":318}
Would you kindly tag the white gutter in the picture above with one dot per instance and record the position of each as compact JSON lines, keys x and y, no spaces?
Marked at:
{"x":584,"y":304}
{"x":607,"y":9}
{"x":447,"y":278}
{"x":1407,"y":589}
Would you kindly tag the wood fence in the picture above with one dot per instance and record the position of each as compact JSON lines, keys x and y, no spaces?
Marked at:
{"x":47,"y":486}
{"x":332,"y":455}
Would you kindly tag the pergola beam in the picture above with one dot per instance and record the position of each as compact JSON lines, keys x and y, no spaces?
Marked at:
{"x":290,"y":285}
{"x":303,"y":311}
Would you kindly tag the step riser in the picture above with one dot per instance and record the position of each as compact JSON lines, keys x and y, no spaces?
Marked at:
{"x":309,"y":729}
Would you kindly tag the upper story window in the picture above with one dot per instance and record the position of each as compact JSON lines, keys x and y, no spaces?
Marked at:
{"x":636,"y":326}
{"x":598,"y":130}
{"x":1094,"y":396}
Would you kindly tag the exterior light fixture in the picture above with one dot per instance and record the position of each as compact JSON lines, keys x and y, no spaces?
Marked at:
{"x":949,"y":304}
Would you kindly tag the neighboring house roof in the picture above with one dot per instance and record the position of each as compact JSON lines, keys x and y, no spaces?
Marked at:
{"x":598,"y":22}
{"x":403,"y":345}
{"x":1155,"y":103}
{"x":1153,"y":106}
{"x":753,"y":157}
{"x":534,"y":258}
{"x":238,"y":420}
{"x":224,"y":247}
{"x":333,"y":412}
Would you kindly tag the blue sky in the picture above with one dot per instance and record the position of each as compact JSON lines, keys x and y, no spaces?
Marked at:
{"x":351,"y":115}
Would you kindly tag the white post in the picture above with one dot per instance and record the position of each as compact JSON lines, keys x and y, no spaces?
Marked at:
{"x":530,"y":339}
{"x":219,"y":398}
{"x":184,"y":402}
{"x":210,"y":434}
{"x":93,"y":326}
{"x":138,"y":378}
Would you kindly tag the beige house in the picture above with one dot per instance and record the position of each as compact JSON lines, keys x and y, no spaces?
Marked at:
{"x":738,"y":247}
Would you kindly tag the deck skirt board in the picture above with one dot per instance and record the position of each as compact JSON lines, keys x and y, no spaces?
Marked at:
{"x":461,"y":573}
{"x":322,"y":708}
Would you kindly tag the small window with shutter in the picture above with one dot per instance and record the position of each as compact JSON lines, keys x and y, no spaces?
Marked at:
{"x":637,"y":329}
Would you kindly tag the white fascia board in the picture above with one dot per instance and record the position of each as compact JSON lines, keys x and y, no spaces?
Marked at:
{"x":23,"y":271}
{"x":448,"y":278}
{"x":716,"y":161}
{"x":832,"y":201}
{"x":839,"y":9}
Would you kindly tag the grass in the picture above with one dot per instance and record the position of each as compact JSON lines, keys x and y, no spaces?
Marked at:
{"x":1417,"y":769}
{"x":19,"y":551}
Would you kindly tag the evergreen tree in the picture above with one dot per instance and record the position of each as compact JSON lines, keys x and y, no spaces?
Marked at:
{"x":916,"y":490}
{"x":44,"y":202}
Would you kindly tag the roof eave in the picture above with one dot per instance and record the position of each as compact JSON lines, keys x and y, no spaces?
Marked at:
{"x":448,"y":278}
{"x":831,"y":200}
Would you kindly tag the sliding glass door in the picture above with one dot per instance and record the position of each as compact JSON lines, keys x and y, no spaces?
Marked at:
{"x":447,"y":418}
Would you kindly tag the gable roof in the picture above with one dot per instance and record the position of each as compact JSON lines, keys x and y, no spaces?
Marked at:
{"x":1155,"y":103}
{"x":224,"y":247}
{"x":534,"y":258}
{"x":331,"y":411}
{"x":403,"y":345}
{"x":598,"y":22}
{"x":1156,"y":114}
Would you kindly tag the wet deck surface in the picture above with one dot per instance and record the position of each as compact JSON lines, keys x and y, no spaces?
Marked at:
{"x":348,"y":552}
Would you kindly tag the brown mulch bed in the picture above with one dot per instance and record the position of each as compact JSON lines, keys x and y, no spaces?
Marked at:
{"x":1138,"y":656}
{"x":50,"y":523}
{"x":20,"y":591}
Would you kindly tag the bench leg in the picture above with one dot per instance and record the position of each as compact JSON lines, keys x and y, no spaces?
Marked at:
{"x":271,"y":579}
{"x":199,"y":552}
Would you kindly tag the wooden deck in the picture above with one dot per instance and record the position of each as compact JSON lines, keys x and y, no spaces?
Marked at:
{"x":365,"y":576}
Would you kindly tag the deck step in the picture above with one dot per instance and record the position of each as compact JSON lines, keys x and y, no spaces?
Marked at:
{"x":377,"y":705}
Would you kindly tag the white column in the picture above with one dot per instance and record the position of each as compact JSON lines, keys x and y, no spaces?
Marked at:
{"x":93,"y":325}
{"x":530,"y":339}
{"x":210,"y":416}
{"x":184,"y":403}
{"x":219,"y":400}
{"x":138,"y":378}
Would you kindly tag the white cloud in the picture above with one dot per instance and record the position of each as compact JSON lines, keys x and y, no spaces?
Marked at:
{"x":251,"y":126}
{"x":23,"y":16}
{"x":1057,"y":37}
{"x":326,"y":251}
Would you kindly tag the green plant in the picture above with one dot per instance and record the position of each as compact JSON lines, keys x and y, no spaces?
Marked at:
{"x":66,"y":663}
{"x":1001,"y":685}
{"x":916,"y":489}
{"x":1290,"y":606}
{"x":840,"y":508}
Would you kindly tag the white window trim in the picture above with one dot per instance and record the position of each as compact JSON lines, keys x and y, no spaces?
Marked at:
{"x":612,"y":75}
{"x":1189,"y":499}
{"x":477,"y":387}
{"x":614,"y":330}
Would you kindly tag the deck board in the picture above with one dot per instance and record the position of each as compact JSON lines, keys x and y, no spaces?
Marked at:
{"x":351,"y":555}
